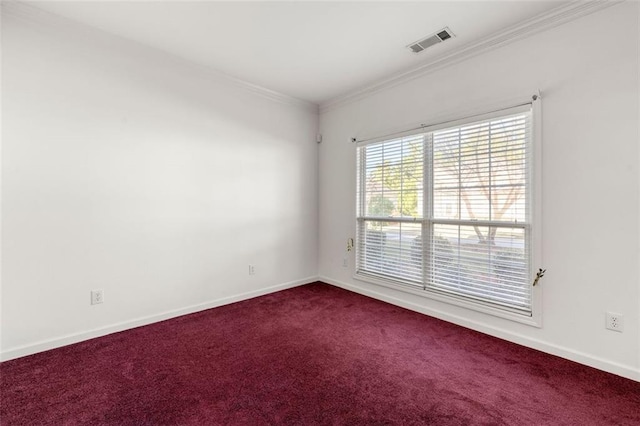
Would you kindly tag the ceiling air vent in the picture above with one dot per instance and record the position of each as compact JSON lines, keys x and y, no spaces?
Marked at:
{"x":436,"y":38}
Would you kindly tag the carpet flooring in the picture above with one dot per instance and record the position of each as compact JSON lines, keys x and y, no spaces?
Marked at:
{"x":311,"y":355}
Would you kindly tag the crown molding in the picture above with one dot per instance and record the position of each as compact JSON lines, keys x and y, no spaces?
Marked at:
{"x":34,"y":15}
{"x":537,"y":24}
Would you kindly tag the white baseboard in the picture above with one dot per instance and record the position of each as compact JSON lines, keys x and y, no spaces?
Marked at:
{"x":69,"y":339}
{"x":561,"y":351}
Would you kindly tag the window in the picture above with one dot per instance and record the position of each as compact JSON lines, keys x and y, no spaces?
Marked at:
{"x":447,"y":211}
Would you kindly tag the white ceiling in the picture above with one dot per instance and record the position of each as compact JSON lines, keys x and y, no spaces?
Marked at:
{"x":314,"y":51}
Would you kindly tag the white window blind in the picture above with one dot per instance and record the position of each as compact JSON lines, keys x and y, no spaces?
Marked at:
{"x":391,"y":206}
{"x":448,"y":211}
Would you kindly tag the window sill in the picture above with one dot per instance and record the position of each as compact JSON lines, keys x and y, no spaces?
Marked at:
{"x":530,"y":320}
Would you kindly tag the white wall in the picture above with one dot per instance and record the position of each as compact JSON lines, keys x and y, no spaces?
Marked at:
{"x":587,"y":71}
{"x":129,"y":171}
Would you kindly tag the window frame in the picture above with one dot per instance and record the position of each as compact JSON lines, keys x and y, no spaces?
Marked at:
{"x":532,"y":227}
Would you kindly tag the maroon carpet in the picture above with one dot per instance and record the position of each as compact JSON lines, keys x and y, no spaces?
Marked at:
{"x":310,"y":355}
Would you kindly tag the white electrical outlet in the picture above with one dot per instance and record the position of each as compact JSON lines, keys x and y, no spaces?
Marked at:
{"x":252,"y":270}
{"x":345,"y":262}
{"x":97,"y":297}
{"x":615,"y":322}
